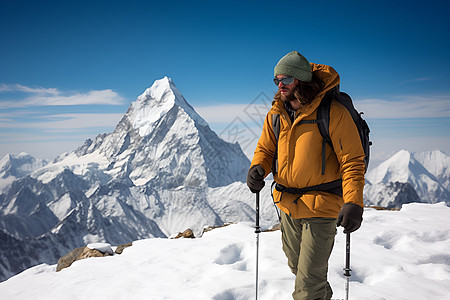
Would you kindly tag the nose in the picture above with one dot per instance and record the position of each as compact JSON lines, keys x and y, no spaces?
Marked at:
{"x":281,"y":84}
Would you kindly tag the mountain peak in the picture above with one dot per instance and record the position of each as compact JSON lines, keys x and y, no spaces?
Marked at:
{"x":155,"y":102}
{"x":19,"y":165}
{"x":427,"y":172}
{"x":396,"y":166}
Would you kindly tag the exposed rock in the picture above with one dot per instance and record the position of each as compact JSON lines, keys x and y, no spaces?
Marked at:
{"x":120,"y":248}
{"x":383,"y":208}
{"x":77,"y":254}
{"x":187,"y":234}
{"x":390,"y":195}
{"x":209,"y":228}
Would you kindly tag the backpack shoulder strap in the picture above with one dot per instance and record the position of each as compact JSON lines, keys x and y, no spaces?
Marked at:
{"x":276,"y":131}
{"x":323,"y":118}
{"x":276,"y":125}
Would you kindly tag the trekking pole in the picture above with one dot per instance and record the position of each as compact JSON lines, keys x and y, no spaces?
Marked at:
{"x":347,"y":265}
{"x":257,"y":231}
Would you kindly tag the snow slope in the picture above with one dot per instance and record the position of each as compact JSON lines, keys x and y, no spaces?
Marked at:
{"x":395,"y":255}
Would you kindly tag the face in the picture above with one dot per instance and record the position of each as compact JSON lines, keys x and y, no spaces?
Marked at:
{"x":287,"y":91}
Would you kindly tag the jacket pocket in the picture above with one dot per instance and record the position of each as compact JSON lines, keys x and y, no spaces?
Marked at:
{"x":309,"y":200}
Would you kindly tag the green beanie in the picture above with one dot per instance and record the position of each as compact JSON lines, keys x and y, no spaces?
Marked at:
{"x":294,"y":64}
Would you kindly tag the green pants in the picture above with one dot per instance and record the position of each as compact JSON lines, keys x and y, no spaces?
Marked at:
{"x":307,"y":244}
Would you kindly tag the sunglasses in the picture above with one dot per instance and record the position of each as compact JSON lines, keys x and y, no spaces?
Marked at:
{"x":285,"y":80}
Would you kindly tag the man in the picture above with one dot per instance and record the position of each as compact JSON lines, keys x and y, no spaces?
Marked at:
{"x":308,"y":219}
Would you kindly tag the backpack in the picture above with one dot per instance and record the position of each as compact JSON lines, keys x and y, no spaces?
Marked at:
{"x":323,"y":122}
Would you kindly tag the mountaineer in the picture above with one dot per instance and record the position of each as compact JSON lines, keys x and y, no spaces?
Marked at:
{"x":318,"y":185}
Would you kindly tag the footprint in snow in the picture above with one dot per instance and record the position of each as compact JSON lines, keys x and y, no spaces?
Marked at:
{"x":229,"y":255}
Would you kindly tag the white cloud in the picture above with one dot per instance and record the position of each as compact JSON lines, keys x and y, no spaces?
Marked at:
{"x":103,"y":97}
{"x":73,"y":121}
{"x":401,"y":107}
{"x":415,"y":80}
{"x":26,"y":89}
{"x":52,"y":135}
{"x":51,"y":96}
{"x":64,"y":122}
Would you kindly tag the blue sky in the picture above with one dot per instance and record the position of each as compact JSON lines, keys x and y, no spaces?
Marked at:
{"x":70,"y":69}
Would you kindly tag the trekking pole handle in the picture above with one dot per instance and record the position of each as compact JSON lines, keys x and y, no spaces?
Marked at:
{"x":347,"y":256}
{"x":257,"y":228}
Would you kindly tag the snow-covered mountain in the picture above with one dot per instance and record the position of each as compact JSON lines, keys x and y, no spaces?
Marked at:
{"x":437,"y":163}
{"x":409,"y":177}
{"x":13,"y":167}
{"x":161,"y":139}
{"x":160,"y":171}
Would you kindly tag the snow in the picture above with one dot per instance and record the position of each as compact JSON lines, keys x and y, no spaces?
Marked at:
{"x":102,"y":247}
{"x":391,"y":170}
{"x":428,"y":173}
{"x":61,"y":207}
{"x":6,"y":182}
{"x":437,"y":163}
{"x":394,"y":255}
{"x":79,"y":165}
{"x":155,"y":102}
{"x":91,"y":238}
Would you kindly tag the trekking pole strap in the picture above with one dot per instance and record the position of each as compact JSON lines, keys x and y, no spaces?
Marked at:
{"x":273,"y":201}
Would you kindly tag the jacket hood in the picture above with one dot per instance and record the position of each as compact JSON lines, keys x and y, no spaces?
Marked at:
{"x":328,"y":75}
{"x":330,"y":79}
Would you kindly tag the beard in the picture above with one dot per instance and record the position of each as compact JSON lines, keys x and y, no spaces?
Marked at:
{"x":293,"y":95}
{"x":285,"y":97}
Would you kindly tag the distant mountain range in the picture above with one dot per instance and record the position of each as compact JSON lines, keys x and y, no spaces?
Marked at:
{"x":161,"y":171}
{"x":13,"y":167}
{"x":409,"y":177}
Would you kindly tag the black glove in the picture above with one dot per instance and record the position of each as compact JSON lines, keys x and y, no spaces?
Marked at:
{"x":255,"y":178}
{"x":350,"y":217}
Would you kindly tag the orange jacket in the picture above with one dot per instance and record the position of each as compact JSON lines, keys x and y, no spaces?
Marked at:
{"x":300,"y":155}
